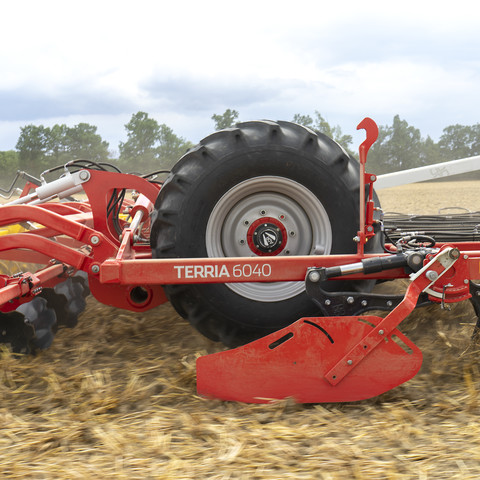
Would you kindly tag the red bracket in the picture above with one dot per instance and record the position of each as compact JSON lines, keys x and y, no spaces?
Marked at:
{"x":366,"y":229}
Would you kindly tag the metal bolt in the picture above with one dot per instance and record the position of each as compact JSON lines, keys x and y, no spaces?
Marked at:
{"x":84,"y":175}
{"x":314,"y":276}
{"x":242,"y":242}
{"x":95,"y":240}
{"x":356,"y":239}
{"x":349,"y":362}
{"x":287,"y":252}
{"x":465,"y":257}
{"x":262,"y":212}
{"x":389,"y":303}
{"x":454,"y":253}
{"x":381,"y":332}
{"x":465,"y":282}
{"x":373,"y":178}
{"x":364,"y":303}
{"x":95,"y":268}
{"x":328,"y":302}
{"x":370,"y":229}
{"x":432,"y":275}
{"x":350,"y":300}
{"x":292,"y":233}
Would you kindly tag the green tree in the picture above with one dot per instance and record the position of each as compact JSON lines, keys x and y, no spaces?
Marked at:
{"x":150,"y":146}
{"x":32,"y":147}
{"x":40,"y":148}
{"x":56,"y":143}
{"x":460,"y":141}
{"x":226,"y":120}
{"x":83,"y":141}
{"x":320,"y":125}
{"x":9,"y":164}
{"x":398,"y":147}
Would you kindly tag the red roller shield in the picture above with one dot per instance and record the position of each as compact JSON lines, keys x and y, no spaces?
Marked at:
{"x":293,"y":363}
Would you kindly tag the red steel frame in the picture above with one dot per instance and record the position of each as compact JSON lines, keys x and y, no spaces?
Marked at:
{"x":79,"y":236}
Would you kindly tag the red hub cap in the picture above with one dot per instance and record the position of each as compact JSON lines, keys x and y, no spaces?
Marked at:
{"x":266,"y":236}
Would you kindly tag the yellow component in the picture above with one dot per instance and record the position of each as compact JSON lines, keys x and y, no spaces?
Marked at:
{"x":12,"y":229}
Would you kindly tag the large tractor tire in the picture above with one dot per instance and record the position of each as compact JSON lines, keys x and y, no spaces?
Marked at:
{"x":260,"y":179}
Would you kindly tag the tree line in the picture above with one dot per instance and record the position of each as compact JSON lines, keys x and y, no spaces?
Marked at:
{"x":150,"y":146}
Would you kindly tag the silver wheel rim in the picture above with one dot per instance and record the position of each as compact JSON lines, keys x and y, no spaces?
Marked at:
{"x":299,"y":210}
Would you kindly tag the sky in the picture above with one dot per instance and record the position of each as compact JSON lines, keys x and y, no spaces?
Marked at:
{"x":101,"y":61}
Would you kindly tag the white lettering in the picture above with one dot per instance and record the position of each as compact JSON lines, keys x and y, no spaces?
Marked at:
{"x":209,"y":272}
{"x":219,"y":271}
{"x":199,"y":271}
{"x":179,"y":268}
{"x":224,"y":272}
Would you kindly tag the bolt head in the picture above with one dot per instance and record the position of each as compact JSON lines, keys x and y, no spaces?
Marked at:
{"x":314,"y":276}
{"x":349,"y":362}
{"x":84,"y":175}
{"x":95,"y":240}
{"x":95,"y":268}
{"x":432,"y":275}
{"x":350,"y":300}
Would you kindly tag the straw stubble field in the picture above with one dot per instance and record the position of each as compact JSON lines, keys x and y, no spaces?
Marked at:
{"x":115,"y":398}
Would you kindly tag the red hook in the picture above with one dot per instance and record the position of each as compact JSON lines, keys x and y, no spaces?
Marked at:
{"x":371,"y":128}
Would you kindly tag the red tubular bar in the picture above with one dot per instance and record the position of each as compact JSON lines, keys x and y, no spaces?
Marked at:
{"x":23,"y":285}
{"x":49,"y":248}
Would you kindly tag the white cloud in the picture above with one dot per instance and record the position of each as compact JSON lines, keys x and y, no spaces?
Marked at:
{"x":184,"y":61}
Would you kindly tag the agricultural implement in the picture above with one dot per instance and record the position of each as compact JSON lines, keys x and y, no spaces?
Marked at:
{"x":266,"y":237}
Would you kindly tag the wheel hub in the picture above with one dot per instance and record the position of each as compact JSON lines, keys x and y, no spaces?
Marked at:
{"x":266,"y":236}
{"x":280,"y":203}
